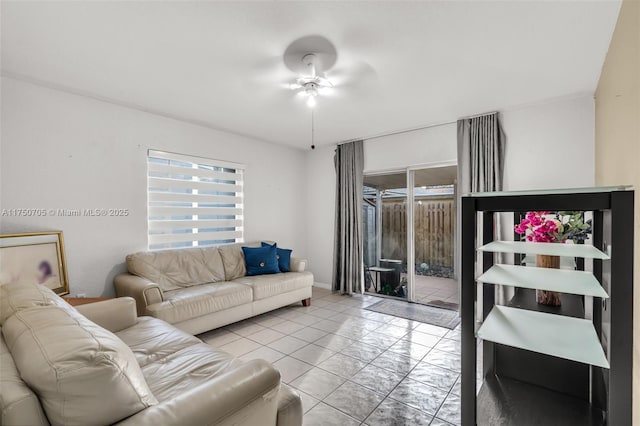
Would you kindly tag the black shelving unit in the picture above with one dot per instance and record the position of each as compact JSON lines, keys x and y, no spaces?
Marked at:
{"x":522,"y":386}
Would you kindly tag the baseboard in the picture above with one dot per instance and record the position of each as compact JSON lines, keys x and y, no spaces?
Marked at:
{"x":322,"y":285}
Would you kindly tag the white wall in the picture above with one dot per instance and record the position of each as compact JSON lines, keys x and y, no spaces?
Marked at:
{"x":67,"y":151}
{"x":419,"y":147}
{"x":549,"y":145}
{"x":321,"y":205}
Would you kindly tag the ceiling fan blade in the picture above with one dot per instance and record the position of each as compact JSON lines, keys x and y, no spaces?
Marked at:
{"x":358,"y":73}
{"x":327,"y":91}
{"x":324,"y":82}
{"x":269,"y":76}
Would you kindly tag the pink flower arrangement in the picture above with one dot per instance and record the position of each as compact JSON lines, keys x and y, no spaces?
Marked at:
{"x":552,"y":227}
{"x":540,"y":228}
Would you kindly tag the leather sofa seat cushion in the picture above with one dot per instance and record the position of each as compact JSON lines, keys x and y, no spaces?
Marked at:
{"x":188,"y":303}
{"x":265,"y":286}
{"x":19,"y":405}
{"x":171,"y":360}
{"x":82,"y":373}
{"x":174,"y":269}
{"x":187,"y":368}
{"x":15,"y":297}
{"x":152,"y":340}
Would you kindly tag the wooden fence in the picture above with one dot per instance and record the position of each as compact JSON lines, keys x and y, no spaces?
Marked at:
{"x":435,"y":221}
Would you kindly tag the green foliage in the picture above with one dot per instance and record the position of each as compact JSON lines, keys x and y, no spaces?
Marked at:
{"x":572,"y":226}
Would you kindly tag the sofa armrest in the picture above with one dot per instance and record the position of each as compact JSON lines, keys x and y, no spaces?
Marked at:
{"x":215,"y":400}
{"x":297,"y":264}
{"x":289,"y":407}
{"x":143,"y":291}
{"x":114,"y":314}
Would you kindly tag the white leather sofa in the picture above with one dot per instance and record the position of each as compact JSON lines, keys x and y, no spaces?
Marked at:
{"x":101,"y":364}
{"x":200,"y":289}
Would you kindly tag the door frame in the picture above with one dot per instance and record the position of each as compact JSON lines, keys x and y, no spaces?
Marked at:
{"x":410,"y":172}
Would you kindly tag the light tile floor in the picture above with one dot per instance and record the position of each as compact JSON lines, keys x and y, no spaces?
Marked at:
{"x":352,"y":366}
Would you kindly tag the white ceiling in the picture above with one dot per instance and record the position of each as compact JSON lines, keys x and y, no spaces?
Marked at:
{"x":219,"y":63}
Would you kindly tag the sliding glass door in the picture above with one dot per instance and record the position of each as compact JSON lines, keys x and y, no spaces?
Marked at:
{"x":434,"y":222}
{"x":385,"y":234}
{"x":409,"y":235}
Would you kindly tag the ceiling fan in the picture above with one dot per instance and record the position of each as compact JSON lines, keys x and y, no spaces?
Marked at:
{"x":311,"y":85}
{"x":309,"y":67}
{"x":313,"y":58}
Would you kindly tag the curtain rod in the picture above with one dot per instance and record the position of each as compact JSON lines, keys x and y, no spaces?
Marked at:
{"x":399,"y":132}
{"x":479,"y":115}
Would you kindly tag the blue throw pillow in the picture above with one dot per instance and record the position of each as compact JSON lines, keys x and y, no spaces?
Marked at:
{"x":284,"y":257}
{"x":261,"y":260}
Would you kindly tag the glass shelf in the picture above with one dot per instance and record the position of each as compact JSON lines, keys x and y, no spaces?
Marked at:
{"x":561,"y":280}
{"x":556,"y":335}
{"x":551,"y":249}
{"x":586,"y":190}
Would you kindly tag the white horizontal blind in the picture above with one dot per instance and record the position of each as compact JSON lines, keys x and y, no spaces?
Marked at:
{"x":193,"y":202}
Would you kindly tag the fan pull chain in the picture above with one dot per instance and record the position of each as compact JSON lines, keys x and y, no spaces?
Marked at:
{"x":313,"y":141}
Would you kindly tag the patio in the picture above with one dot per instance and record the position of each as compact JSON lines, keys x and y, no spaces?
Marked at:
{"x":437,"y":291}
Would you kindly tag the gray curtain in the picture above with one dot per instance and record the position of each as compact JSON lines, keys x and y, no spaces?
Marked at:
{"x":485,"y":140}
{"x":481,"y":147}
{"x":347,"y":262}
{"x":481,"y":144}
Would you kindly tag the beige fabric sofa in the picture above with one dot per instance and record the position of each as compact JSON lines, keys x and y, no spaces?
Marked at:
{"x":101,"y":364}
{"x":201,"y":289}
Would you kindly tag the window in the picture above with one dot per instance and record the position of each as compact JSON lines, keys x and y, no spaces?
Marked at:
{"x":193,"y":202}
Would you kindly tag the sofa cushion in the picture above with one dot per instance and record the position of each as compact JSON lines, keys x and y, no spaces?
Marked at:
{"x":261,"y":260}
{"x":233,"y":260}
{"x":174,"y":269}
{"x":152,"y":339}
{"x":19,"y":405}
{"x":188,"y":303}
{"x":72,"y":364}
{"x":15,"y":297}
{"x":185,"y":369}
{"x":171,"y":360}
{"x":265,"y":286}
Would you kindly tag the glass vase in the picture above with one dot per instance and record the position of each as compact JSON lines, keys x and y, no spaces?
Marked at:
{"x":544,"y":297}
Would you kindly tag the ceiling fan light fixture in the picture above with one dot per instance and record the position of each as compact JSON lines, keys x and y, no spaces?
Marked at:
{"x":311,"y":101}
{"x":311,"y":89}
{"x":325,"y":90}
{"x":310,"y":84}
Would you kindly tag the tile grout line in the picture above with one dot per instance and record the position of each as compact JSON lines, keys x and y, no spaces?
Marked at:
{"x":355,"y":339}
{"x":388,"y":394}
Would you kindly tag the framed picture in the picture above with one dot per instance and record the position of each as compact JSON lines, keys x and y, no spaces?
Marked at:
{"x":34,"y":257}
